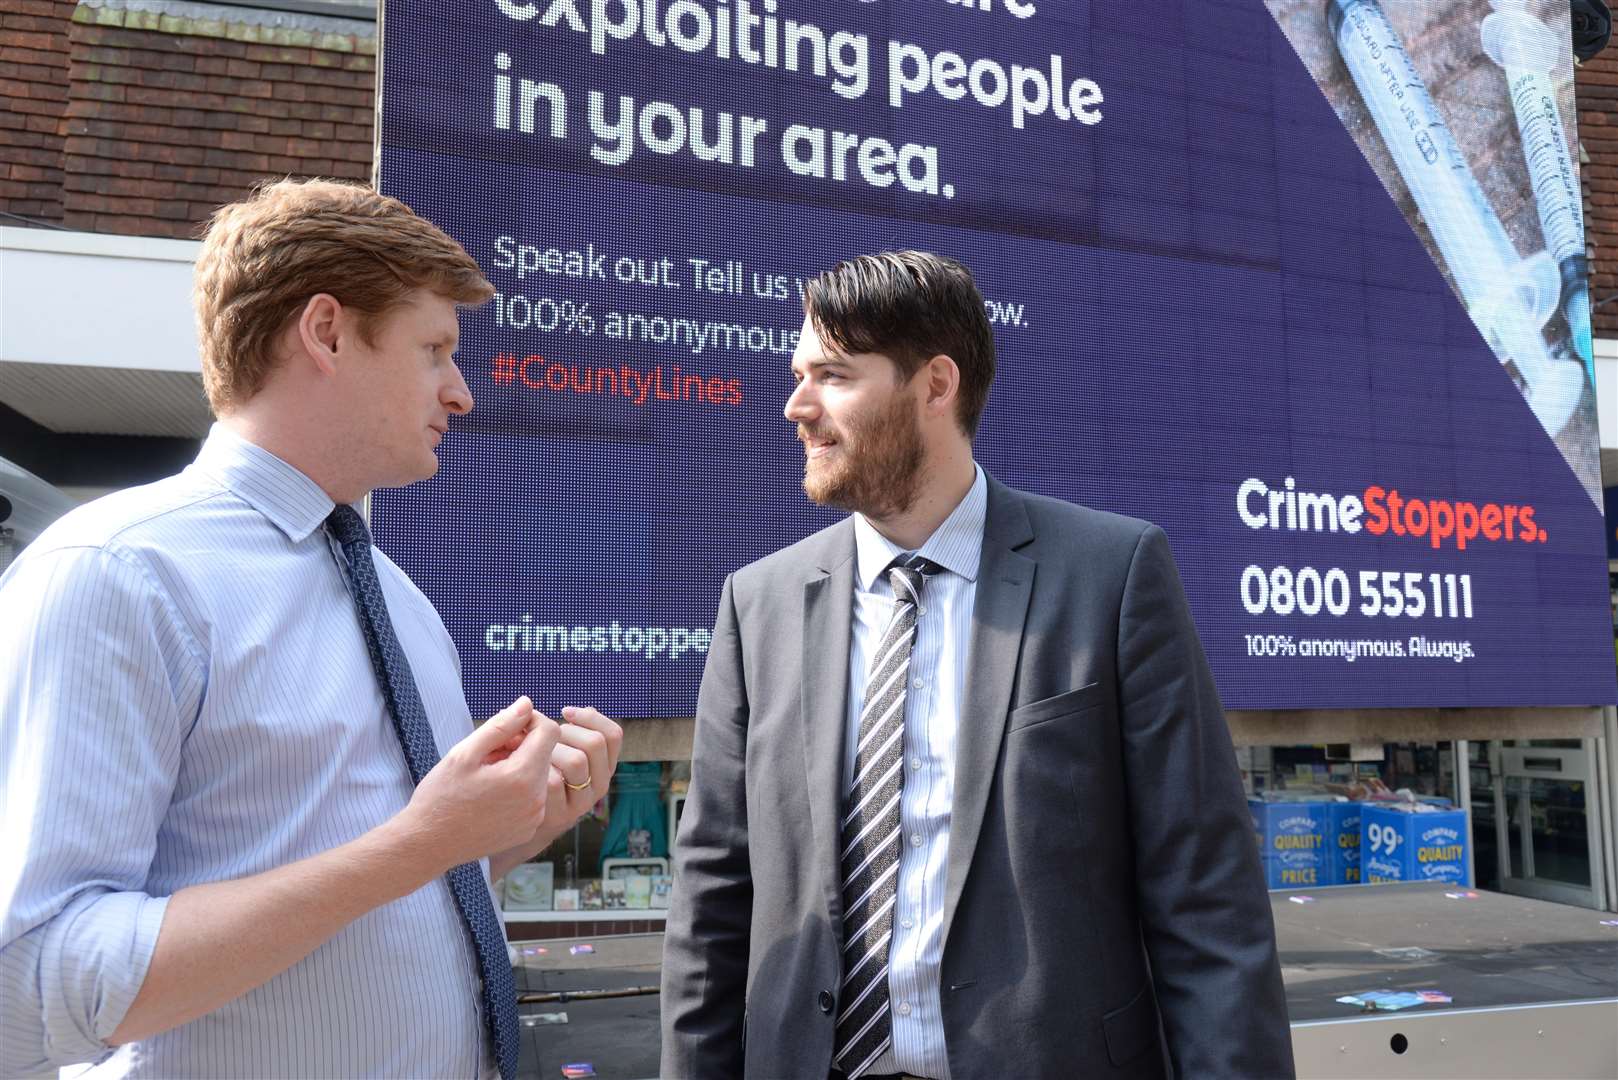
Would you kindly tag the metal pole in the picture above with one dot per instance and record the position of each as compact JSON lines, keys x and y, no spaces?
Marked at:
{"x":1502,"y":812}
{"x":1595,"y":819}
{"x":558,"y":996}
{"x":1607,"y":770}
{"x":1463,"y":799}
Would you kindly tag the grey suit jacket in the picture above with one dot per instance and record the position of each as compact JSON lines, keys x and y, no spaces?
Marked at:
{"x":1104,"y":913}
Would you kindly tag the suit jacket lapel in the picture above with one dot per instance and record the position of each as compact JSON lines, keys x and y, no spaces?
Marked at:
{"x":1005,"y":584}
{"x":828,"y":628}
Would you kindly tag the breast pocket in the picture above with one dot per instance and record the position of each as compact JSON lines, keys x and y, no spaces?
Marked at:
{"x":1054,"y":708}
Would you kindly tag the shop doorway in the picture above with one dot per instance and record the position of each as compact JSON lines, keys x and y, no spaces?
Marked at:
{"x":1538,"y":799}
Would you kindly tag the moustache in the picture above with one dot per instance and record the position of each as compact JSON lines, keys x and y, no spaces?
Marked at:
{"x":807,"y":435}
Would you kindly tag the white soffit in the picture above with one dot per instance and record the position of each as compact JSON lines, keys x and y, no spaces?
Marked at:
{"x":96,"y":300}
{"x":82,"y":400}
{"x":96,"y":333}
{"x":1606,"y":353}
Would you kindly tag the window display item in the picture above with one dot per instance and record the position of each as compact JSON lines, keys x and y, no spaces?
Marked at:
{"x":637,"y":828}
{"x":530,"y":887}
{"x":627,"y":868}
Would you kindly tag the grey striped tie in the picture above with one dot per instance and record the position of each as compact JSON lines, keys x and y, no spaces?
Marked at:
{"x":871,"y":843}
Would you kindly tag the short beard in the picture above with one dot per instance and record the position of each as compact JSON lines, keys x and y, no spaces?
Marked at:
{"x":880,"y":468}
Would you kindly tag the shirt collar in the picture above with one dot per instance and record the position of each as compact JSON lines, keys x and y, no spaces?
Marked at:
{"x":293,"y":502}
{"x":956,"y":545}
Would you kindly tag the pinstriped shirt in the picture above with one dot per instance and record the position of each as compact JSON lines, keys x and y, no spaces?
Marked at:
{"x":931,"y":715}
{"x":186,"y":697}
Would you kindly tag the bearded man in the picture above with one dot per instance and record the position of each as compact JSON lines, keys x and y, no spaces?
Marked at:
{"x":963,"y":801}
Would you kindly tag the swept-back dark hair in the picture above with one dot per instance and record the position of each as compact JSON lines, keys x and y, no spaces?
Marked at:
{"x":909,"y":306}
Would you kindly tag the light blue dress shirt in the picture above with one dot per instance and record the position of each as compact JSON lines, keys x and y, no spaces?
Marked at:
{"x":931,"y":717}
{"x":186,"y":697}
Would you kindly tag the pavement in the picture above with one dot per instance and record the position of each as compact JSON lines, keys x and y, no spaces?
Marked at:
{"x":1486,"y":950}
{"x":618,"y":1036}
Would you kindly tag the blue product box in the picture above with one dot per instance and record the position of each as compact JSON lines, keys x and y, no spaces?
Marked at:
{"x":1396,"y":845}
{"x":1343,"y":830}
{"x":1292,"y":842}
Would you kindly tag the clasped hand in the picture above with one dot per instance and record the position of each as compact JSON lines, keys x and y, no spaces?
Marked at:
{"x":515,"y":783}
{"x":583,"y":761}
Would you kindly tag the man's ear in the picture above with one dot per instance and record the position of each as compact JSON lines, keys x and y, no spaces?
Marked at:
{"x":321,"y":326}
{"x":942,"y":387}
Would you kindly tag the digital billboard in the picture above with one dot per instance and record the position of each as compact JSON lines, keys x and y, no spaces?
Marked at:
{"x":1302,"y":283}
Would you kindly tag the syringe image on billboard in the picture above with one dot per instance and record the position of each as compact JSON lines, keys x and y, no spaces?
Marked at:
{"x":1512,"y":250}
{"x":1532,"y":55}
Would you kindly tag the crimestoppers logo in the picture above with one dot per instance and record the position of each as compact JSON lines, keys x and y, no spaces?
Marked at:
{"x":1386,"y":511}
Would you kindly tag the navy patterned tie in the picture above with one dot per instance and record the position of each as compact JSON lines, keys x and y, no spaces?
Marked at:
{"x":421,"y":754}
{"x":871,"y":840}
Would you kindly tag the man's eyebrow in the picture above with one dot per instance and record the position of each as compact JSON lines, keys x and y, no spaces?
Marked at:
{"x":823,"y":360}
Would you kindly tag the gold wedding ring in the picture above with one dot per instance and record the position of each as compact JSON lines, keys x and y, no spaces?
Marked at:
{"x":576,"y":787}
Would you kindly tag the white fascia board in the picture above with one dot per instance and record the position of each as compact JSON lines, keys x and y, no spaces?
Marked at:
{"x":1606,"y":354}
{"x":97,"y":300}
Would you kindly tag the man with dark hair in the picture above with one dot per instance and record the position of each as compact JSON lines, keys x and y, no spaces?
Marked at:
{"x":963,"y":802}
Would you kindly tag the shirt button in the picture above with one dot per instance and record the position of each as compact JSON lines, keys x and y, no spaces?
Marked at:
{"x":915,"y":763}
{"x":921,"y":610}
{"x":906,"y":923}
{"x":919,"y":683}
{"x":904,"y":1008}
{"x":915,"y":839}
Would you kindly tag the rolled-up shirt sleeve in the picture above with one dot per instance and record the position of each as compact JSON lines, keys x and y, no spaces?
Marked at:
{"x":97,"y":678}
